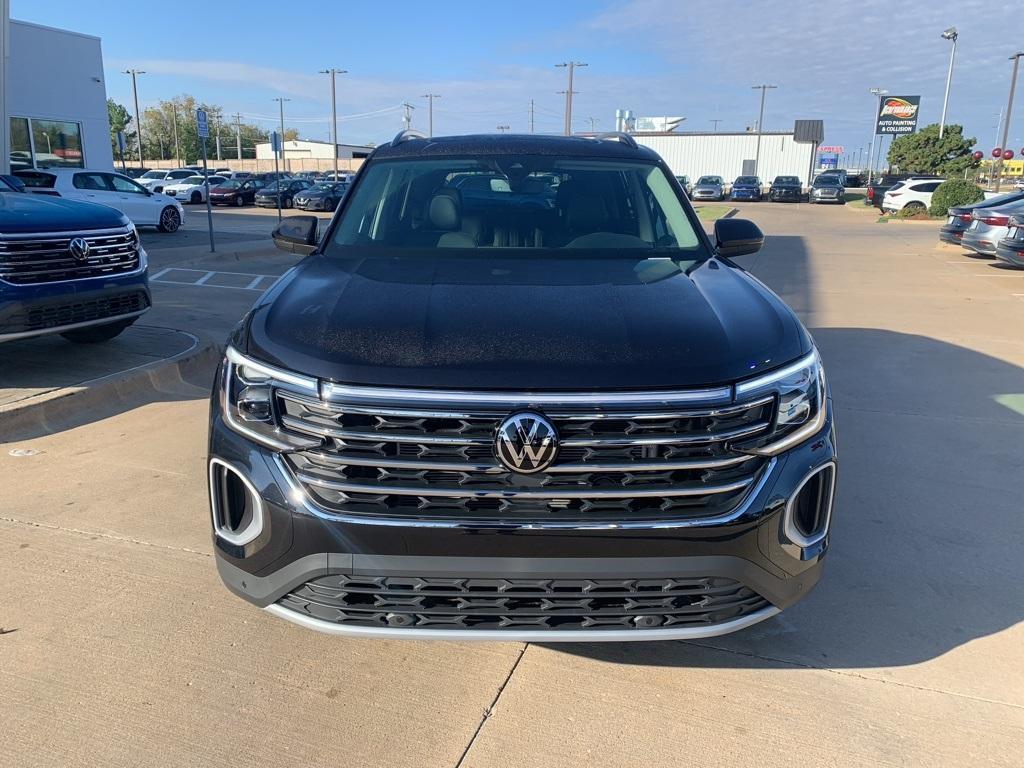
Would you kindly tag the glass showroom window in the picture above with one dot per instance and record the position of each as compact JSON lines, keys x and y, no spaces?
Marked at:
{"x":21,"y":145}
{"x":57,"y":144}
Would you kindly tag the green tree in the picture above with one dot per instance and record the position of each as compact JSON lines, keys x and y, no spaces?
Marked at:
{"x":925,"y":152}
{"x":159,"y":123}
{"x":120,"y":120}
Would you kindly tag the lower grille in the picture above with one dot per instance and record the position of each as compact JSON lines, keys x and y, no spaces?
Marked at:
{"x":39,"y":259}
{"x":70,"y":313}
{"x":554,"y":604}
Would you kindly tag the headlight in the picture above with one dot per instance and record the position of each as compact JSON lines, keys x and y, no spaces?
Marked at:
{"x":801,"y":410}
{"x":249,"y":402}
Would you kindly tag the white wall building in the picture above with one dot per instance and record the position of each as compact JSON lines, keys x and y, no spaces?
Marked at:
{"x":732,"y":154}
{"x":56,"y":99}
{"x":305,"y":149}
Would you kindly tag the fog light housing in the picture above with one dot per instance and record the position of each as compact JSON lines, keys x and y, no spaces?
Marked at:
{"x":236,"y":506}
{"x":808,"y":512}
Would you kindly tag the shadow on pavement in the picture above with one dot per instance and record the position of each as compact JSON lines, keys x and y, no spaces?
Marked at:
{"x":928,"y":527}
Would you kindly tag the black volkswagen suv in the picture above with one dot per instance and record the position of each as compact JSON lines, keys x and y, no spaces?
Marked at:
{"x":568,"y":421}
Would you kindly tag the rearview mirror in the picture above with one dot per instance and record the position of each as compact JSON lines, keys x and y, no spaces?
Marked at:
{"x":737,"y":237}
{"x":296,"y":234}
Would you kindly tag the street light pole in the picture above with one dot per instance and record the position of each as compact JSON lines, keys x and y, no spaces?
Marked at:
{"x":715,"y":121}
{"x":879,"y":93}
{"x":571,"y":65}
{"x":280,"y":101}
{"x":949,"y":34}
{"x":238,"y":135}
{"x":1006,"y":121}
{"x":760,"y":123}
{"x":138,"y":117}
{"x":430,"y":111}
{"x":334,"y":113}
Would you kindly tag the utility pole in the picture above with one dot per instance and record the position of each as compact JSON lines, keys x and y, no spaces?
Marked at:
{"x":531,"y":115}
{"x":760,"y":124}
{"x":280,"y":101}
{"x":430,"y":111}
{"x":593,"y":123}
{"x":715,"y":121}
{"x":571,"y":66}
{"x":407,"y":118}
{"x":949,"y":34}
{"x":334,"y":113}
{"x":174,"y":117}
{"x":502,"y":128}
{"x":216,"y":129}
{"x":878,"y":93}
{"x":1006,"y":122}
{"x":160,"y":141}
{"x":138,"y":117}
{"x":238,"y":135}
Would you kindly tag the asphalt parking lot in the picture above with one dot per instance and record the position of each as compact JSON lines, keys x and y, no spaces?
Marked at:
{"x":119,"y":645}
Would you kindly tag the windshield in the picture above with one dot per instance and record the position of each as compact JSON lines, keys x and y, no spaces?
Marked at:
{"x":709,"y":180}
{"x":826,"y":181}
{"x":521,"y":202}
{"x":787,"y":180}
{"x":192,"y":180}
{"x":747,"y":180}
{"x":154,"y":175}
{"x":231,"y":185}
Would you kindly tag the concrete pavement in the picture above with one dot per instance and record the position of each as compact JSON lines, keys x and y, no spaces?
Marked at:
{"x":120,"y":647}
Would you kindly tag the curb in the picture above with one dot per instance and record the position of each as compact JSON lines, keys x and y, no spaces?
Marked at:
{"x":68,"y":407}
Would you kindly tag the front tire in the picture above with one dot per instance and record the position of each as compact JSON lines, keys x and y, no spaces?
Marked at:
{"x":97,"y":334}
{"x":239,"y":202}
{"x":287,"y":203}
{"x":170,"y":220}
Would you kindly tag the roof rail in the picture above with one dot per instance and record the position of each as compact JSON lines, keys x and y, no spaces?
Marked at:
{"x":625,"y":138}
{"x":406,"y":135}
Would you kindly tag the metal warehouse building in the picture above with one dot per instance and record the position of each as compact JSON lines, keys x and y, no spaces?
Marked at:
{"x":729,"y":155}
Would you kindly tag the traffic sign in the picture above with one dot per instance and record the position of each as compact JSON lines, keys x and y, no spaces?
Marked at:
{"x":275,"y":142}
{"x":203,"y":124}
{"x":121,"y":145}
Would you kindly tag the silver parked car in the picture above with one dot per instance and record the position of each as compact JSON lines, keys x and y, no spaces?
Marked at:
{"x":988,"y":226}
{"x":708,"y":188}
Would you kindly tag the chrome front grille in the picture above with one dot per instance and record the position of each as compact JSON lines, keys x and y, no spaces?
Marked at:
{"x":31,"y":259}
{"x":615,"y":463}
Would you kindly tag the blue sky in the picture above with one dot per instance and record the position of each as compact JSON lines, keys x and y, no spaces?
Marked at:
{"x":487,"y":60}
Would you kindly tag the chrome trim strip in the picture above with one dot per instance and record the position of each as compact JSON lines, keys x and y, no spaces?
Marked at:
{"x":789,"y":527}
{"x":331,"y":391}
{"x":710,"y":437}
{"x":754,"y":385}
{"x":494,"y":469}
{"x":527,"y":636}
{"x":72,"y":327}
{"x":521,"y":493}
{"x":298,"y":496}
{"x":255,"y":526}
{"x":349,"y":434}
{"x":56,"y":236}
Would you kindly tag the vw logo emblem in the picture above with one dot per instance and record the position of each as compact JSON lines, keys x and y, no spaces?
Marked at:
{"x":526,"y":442}
{"x":79,"y":248}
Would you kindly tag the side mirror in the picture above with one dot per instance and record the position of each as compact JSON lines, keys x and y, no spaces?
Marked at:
{"x":296,"y":234}
{"x":737,"y":237}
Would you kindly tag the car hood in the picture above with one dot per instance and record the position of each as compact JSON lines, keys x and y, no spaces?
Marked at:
{"x":707,"y":186}
{"x":786,"y":185}
{"x":745,"y":186}
{"x":523,"y":323}
{"x":26,"y":212}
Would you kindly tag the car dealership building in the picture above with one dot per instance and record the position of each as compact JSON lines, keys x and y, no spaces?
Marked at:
{"x":53,"y":98}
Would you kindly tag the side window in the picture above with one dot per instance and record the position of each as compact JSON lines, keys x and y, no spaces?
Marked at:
{"x":931,"y":186}
{"x":90,"y":181}
{"x":121,"y":184}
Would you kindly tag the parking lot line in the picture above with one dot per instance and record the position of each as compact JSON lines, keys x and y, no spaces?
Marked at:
{"x":161,"y":272}
{"x":255,"y":281}
{"x":202,"y":280}
{"x":198,"y":285}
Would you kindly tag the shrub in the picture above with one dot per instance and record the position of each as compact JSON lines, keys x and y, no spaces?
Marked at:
{"x":953,"y":193}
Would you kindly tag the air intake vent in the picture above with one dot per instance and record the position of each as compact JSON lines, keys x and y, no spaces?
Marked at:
{"x":237,"y":507}
{"x":810,"y":508}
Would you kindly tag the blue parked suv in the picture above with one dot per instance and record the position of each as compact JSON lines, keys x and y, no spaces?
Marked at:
{"x":67,"y":267}
{"x":746,"y":188}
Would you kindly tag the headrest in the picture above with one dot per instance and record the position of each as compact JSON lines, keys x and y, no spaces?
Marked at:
{"x":585,"y":211}
{"x":445,"y":210}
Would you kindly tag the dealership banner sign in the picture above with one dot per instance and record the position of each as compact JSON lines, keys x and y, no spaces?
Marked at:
{"x":898,"y":114}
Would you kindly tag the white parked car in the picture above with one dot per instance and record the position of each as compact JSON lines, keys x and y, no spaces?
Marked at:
{"x":192,"y":189}
{"x":142,"y":207}
{"x":156,"y":180}
{"x":912,"y":194}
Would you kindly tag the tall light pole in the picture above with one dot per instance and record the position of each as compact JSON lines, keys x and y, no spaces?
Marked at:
{"x":138,"y":117}
{"x":949,"y":34}
{"x":430,"y":111}
{"x":280,"y":102}
{"x":760,"y":123}
{"x":238,"y":135}
{"x":715,"y":121}
{"x":334,"y":114}
{"x":878,"y":93}
{"x":571,"y":66}
{"x":1006,"y":120}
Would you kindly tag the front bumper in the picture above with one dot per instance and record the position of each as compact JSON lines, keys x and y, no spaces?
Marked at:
{"x":312,"y":204}
{"x":299,"y":543}
{"x":48,"y":308}
{"x":783,"y":195}
{"x":746,"y":194}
